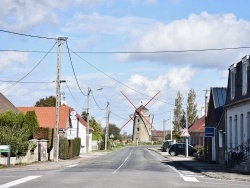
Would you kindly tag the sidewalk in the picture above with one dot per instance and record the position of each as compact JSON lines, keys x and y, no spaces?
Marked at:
{"x":46,"y":165}
{"x":210,"y":170}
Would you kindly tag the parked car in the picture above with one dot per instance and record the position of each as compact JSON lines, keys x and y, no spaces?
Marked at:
{"x":166,"y":145}
{"x":179,"y":149}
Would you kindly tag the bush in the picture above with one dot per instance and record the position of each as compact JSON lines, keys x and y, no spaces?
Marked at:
{"x":15,"y":136}
{"x":76,"y":146}
{"x":63,"y":148}
{"x":44,"y":133}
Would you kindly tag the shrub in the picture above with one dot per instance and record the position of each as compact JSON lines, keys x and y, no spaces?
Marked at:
{"x":63,"y":148}
{"x":44,"y":133}
{"x":76,"y":146}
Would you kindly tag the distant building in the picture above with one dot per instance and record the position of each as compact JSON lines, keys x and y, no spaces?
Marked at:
{"x":196,"y":132}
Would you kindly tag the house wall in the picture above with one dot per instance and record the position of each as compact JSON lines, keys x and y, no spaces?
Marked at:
{"x":196,"y":138}
{"x":237,"y":131}
{"x":81,"y":131}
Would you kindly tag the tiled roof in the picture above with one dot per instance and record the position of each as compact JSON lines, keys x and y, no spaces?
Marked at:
{"x":46,"y":116}
{"x":156,"y":133}
{"x":6,"y":105}
{"x":198,"y":126}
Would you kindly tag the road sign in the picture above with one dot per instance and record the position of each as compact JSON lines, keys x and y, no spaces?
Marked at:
{"x":185,"y":133}
{"x":4,"y":148}
{"x":209,"y":131}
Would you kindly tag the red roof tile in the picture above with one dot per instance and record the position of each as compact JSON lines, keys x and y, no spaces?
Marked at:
{"x":46,"y":116}
{"x":198,"y":126}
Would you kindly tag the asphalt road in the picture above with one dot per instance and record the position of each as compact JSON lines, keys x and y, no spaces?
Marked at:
{"x":128,"y":167}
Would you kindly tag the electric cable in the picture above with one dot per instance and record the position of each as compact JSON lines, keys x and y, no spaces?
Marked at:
{"x":27,"y":35}
{"x":74,"y":70}
{"x":116,"y":79}
{"x":12,"y":85}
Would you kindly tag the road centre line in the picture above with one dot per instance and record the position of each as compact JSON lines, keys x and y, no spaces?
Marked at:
{"x":19,"y":181}
{"x":123,"y":162}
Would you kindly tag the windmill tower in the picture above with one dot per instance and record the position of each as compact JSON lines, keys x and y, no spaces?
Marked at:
{"x":142,"y":126}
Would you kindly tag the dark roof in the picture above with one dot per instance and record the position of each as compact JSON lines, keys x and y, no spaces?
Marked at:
{"x":6,"y":105}
{"x":219,"y":96}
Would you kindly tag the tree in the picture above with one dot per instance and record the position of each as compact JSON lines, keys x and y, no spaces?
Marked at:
{"x":46,"y":102}
{"x":13,"y":133}
{"x":30,"y":122}
{"x":114,"y":130}
{"x":98,"y":132}
{"x":178,"y":113}
{"x":192,"y":107}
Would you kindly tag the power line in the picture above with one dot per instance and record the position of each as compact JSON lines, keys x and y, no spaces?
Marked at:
{"x":96,"y":102}
{"x":136,"y":52}
{"x":118,"y":115}
{"x":27,"y":35}
{"x":73,"y":96}
{"x":74,"y":70}
{"x":30,"y":82}
{"x":12,"y":85}
{"x":115,"y":79}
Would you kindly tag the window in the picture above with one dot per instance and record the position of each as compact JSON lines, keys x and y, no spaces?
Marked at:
{"x":235,"y":131}
{"x":245,"y":64}
{"x":242,"y":128}
{"x":232,"y":80}
{"x":230,"y":132}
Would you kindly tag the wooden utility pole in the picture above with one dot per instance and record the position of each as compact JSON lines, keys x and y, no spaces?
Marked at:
{"x":107,"y":126}
{"x":58,"y":99}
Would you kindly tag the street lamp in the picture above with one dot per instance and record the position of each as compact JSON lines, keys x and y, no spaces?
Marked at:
{"x":87,"y":132}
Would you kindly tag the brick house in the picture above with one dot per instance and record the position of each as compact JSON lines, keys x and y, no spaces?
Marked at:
{"x":196,"y":131}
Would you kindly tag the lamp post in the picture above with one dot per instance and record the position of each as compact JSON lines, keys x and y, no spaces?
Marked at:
{"x":87,"y":132}
{"x":107,"y":126}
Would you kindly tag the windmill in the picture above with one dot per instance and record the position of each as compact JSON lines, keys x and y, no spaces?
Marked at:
{"x":141,"y":122}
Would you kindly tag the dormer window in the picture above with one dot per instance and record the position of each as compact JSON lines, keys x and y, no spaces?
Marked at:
{"x":232,"y":79}
{"x":245,"y":64}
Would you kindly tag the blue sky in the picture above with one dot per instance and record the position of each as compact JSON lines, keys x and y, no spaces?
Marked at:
{"x":121,"y":26}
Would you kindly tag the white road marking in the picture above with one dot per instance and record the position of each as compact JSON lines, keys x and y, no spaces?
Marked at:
{"x":123,"y":162}
{"x":73,"y":165}
{"x":186,"y":178}
{"x":19,"y":181}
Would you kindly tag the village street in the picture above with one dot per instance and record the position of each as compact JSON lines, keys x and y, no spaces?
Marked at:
{"x":128,"y":167}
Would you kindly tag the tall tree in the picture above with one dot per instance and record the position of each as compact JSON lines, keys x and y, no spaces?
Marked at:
{"x":178,"y":113}
{"x":46,"y":102}
{"x":98,"y":131}
{"x":192,"y":107}
{"x":31,"y":122}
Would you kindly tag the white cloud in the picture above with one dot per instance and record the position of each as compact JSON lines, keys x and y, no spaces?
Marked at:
{"x":203,"y":31}
{"x":8,"y":59}
{"x":175,"y":79}
{"x":98,"y":24}
{"x":22,"y":15}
